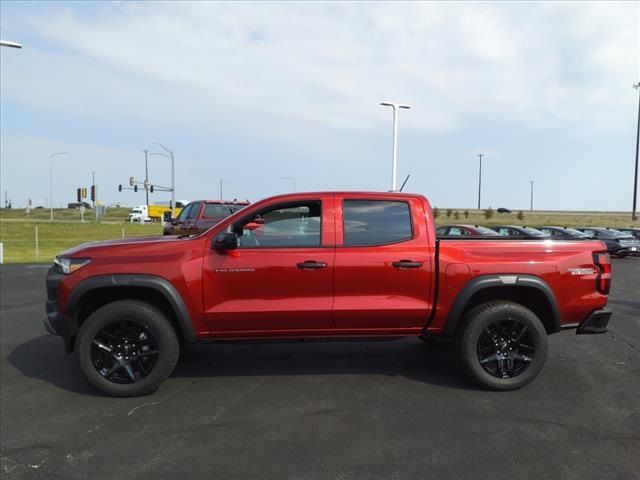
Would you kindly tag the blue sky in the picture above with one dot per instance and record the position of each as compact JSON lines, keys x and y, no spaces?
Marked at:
{"x":252,"y":92}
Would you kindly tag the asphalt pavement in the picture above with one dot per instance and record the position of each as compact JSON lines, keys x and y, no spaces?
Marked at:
{"x":302,"y":410}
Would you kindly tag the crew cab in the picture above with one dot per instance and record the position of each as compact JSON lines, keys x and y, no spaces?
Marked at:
{"x":323,"y":265}
{"x":201,"y":215}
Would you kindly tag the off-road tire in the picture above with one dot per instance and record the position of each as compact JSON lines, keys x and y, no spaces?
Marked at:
{"x":474,"y":325}
{"x":137,"y":312}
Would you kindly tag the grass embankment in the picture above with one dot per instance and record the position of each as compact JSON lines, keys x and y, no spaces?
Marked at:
{"x":18,"y":233}
{"x":537,"y":219}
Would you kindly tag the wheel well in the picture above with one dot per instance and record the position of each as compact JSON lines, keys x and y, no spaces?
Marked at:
{"x":532,"y":298}
{"x":98,"y":297}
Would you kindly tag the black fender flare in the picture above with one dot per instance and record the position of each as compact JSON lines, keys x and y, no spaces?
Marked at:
{"x":154,"y":282}
{"x":483,"y":282}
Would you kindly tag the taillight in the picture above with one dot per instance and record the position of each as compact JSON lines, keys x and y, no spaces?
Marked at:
{"x":603,"y":281}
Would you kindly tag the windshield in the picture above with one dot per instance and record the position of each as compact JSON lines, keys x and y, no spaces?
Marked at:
{"x":486,"y":231}
{"x":611,"y":233}
{"x":575,"y":233}
{"x":533,"y":231}
{"x":220,"y":210}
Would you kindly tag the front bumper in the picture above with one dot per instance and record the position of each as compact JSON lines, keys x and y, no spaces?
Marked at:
{"x":596,"y":322}
{"x":54,"y":322}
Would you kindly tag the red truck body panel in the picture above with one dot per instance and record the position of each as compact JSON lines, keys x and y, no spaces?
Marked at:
{"x":261,"y":292}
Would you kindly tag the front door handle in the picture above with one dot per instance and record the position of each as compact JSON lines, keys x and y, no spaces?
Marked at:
{"x":407,"y":264}
{"x":311,"y":265}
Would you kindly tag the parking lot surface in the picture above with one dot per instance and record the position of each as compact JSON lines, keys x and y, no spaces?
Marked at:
{"x":349,"y":410}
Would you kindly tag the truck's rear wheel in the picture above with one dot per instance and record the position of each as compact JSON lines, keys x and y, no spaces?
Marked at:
{"x":127,"y":348}
{"x":503,"y":345}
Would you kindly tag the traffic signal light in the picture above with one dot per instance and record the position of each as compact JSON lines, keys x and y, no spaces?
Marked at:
{"x":84,"y":192}
{"x":151,"y":188}
{"x":79,"y":195}
{"x":93,"y":193}
{"x":135,"y":188}
{"x":119,"y":188}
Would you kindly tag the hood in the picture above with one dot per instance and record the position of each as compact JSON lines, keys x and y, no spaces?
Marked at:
{"x":89,"y":246}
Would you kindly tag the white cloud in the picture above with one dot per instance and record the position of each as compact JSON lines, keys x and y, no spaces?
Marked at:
{"x":331,"y":63}
{"x":299,"y":81}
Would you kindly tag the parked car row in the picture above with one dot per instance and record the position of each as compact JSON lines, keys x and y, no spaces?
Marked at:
{"x":621,"y":242}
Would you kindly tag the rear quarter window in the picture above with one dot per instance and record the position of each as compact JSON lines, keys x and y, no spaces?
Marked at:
{"x":376,"y":222}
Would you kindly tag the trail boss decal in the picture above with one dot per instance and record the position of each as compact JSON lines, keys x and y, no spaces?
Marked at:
{"x":235,"y":270}
{"x":582,"y":271}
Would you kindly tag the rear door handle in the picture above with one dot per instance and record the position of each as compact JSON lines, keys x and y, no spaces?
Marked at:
{"x":407,"y":264}
{"x":311,"y":265}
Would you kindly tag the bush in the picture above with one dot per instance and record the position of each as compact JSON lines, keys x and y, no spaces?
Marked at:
{"x":436,"y":212}
{"x":449,"y":212}
{"x":488,"y":213}
{"x":456,"y":215}
{"x":520,"y":215}
{"x":466,"y":214}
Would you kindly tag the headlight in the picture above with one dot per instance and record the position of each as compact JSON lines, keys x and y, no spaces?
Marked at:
{"x":70,"y":265}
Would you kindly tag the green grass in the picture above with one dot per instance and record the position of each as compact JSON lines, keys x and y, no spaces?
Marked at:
{"x":62,"y":214}
{"x":538,"y":219}
{"x":17,"y":233}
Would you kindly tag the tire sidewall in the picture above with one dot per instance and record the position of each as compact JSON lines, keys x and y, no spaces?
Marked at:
{"x":481,"y":318}
{"x":145,"y":315}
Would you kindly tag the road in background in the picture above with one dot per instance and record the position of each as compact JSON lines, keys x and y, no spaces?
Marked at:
{"x":347,"y":410}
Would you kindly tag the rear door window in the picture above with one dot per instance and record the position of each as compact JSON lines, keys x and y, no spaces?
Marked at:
{"x":376,"y":222}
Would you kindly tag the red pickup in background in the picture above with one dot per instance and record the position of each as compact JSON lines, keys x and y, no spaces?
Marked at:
{"x":200,"y":215}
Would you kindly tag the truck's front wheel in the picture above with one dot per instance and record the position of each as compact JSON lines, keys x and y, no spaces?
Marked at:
{"x":503,"y":345}
{"x":127,"y":348}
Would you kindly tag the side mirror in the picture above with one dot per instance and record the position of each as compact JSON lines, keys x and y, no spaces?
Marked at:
{"x":226,"y":241}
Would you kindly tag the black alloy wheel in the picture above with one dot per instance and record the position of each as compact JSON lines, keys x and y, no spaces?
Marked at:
{"x":124,"y":352}
{"x":127,"y":348}
{"x":506,"y":348}
{"x":503,"y":345}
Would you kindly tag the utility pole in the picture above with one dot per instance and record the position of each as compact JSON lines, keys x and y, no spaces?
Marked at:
{"x":222,"y":182}
{"x":394,"y":151}
{"x":146,"y":175}
{"x":635,"y":176}
{"x":94,"y":201}
{"x":293,"y":181}
{"x":480,"y":155}
{"x":531,"y":207}
{"x":51,"y":180}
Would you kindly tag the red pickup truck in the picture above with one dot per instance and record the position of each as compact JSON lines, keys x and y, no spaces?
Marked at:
{"x":309,"y":265}
{"x":201,"y":215}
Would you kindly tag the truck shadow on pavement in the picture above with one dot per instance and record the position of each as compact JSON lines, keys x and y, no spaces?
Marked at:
{"x":44,"y":359}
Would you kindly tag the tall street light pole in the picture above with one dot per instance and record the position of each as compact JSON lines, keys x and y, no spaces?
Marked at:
{"x":6,"y":43}
{"x":169,"y":155}
{"x":293,"y":181}
{"x":635,"y":176}
{"x":51,"y":180}
{"x":394,"y":155}
{"x":531,"y":206}
{"x":480,"y":155}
